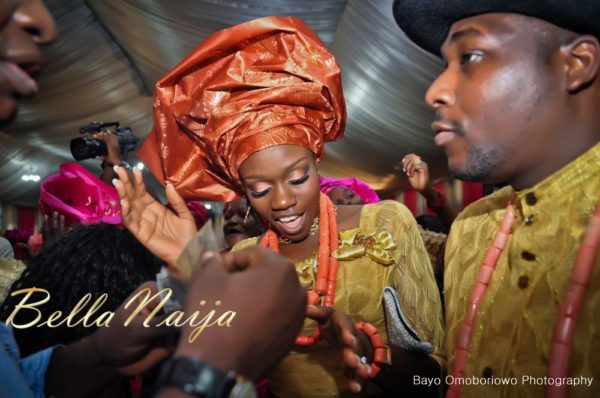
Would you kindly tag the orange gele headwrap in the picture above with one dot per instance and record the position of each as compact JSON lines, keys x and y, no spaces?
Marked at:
{"x":262,"y":83}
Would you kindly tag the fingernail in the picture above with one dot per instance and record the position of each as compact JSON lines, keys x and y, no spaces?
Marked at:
{"x":123,"y":201}
{"x":114,"y":181}
{"x":116,"y":168}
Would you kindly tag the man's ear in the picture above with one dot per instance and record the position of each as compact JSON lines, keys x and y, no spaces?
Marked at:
{"x":582,"y":60}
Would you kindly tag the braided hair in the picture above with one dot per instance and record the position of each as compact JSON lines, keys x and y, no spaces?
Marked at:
{"x":95,"y":259}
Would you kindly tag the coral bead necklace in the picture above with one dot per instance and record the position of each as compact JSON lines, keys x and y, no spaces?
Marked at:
{"x":564,"y":328}
{"x":327,"y":265}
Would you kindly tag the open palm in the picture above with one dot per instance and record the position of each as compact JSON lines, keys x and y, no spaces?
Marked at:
{"x":164,"y":232}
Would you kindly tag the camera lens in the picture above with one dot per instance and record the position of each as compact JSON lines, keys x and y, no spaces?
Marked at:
{"x":85,"y":148}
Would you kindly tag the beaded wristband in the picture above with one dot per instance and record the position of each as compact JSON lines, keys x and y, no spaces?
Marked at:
{"x":380,"y":349}
{"x":439,"y":203}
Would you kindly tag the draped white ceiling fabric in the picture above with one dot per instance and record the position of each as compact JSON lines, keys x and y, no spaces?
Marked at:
{"x":109,"y":54}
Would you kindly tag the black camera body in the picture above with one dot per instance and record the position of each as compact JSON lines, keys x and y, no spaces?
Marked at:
{"x":87,"y":147}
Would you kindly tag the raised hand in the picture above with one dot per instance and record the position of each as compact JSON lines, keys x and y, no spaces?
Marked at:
{"x":113,"y":155}
{"x":132,"y":348}
{"x":339,"y":330}
{"x":163,"y":232}
{"x":416,"y":171}
{"x":267,"y":320}
{"x":87,"y":366}
{"x":53,"y":228}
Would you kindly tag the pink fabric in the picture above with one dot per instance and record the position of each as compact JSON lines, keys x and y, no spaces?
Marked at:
{"x":80,"y":196}
{"x":14,"y":236}
{"x":35,"y":242}
{"x":199,"y":212}
{"x":356,"y":185}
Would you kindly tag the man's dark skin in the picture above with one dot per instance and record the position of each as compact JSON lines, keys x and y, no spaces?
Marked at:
{"x":260,"y":337}
{"x":24,"y":25}
{"x":518,"y":99}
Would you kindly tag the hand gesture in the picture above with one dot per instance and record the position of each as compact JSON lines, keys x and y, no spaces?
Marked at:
{"x":162,"y":231}
{"x":266,"y":322}
{"x":134,"y":348}
{"x":417,"y":171}
{"x":112,"y":147}
{"x":53,"y":228}
{"x":339,"y":330}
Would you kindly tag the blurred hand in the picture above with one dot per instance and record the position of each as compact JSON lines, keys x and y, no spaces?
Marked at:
{"x":112,"y":146}
{"x":86,"y":366}
{"x":134,"y":348}
{"x":417,"y":171}
{"x":263,"y":289}
{"x":339,"y":330}
{"x":53,"y":228}
{"x":162,"y":231}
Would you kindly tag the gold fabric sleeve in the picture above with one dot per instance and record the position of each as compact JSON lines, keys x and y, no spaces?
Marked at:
{"x":513,"y":331}
{"x":316,"y":371}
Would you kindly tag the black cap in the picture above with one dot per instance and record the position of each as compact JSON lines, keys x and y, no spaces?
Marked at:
{"x":427,"y":22}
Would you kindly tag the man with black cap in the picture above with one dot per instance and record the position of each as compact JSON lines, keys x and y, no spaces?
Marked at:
{"x":518,"y":102}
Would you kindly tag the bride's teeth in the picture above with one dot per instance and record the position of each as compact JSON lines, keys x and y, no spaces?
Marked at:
{"x":288,"y":219}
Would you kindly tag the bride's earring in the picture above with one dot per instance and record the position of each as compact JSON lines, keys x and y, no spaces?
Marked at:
{"x":245,"y":222}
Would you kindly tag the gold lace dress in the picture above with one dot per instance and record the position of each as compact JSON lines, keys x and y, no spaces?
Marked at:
{"x":385,"y":250}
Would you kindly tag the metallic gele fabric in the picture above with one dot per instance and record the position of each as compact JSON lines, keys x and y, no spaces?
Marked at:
{"x":262,"y":83}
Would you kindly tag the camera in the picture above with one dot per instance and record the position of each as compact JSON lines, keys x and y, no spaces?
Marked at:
{"x":87,"y":147}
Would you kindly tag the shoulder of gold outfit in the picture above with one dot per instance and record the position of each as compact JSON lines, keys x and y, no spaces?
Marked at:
{"x":324,"y":291}
{"x":564,"y":328}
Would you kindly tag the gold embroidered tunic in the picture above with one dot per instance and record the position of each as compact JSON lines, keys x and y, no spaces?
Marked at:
{"x":10,"y":271}
{"x":513,"y":330}
{"x":385,"y":250}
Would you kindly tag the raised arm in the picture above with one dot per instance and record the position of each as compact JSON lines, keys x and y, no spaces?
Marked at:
{"x":417,"y":172}
{"x":163,"y":232}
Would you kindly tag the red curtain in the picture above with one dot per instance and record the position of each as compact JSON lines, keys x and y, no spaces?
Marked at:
{"x":26,"y":218}
{"x":439,"y":186}
{"x":471,"y":191}
{"x":410,"y":201}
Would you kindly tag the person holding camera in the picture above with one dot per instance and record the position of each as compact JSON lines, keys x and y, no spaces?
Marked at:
{"x":112,"y":158}
{"x":106,"y":141}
